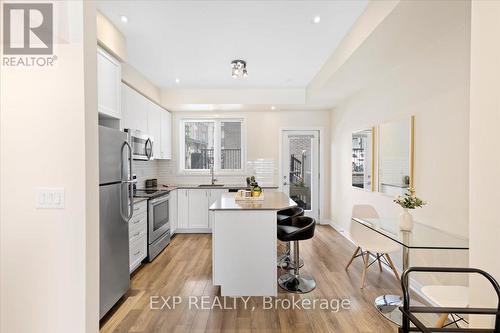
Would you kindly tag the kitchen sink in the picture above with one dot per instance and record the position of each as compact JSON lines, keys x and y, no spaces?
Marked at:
{"x":210,"y":185}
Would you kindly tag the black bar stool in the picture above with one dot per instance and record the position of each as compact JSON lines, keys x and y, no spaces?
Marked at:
{"x":284,"y":217}
{"x":302,"y":228}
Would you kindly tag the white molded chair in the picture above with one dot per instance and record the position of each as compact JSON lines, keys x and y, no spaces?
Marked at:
{"x":370,"y":242}
{"x":448,"y":297}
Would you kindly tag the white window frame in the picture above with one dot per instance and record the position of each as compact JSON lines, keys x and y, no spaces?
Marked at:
{"x":217,"y":146}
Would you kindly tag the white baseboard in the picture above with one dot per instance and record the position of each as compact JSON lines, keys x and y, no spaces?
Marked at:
{"x":193,"y":231}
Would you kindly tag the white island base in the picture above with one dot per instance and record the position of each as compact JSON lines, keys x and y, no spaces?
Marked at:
{"x":244,"y":245}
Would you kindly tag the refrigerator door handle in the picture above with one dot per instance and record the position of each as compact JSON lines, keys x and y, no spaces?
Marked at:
{"x":128,"y":183}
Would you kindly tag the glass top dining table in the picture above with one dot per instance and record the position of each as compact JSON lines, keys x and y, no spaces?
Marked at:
{"x":423,"y":237}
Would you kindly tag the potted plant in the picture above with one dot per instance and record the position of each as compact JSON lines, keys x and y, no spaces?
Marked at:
{"x":408,"y":201}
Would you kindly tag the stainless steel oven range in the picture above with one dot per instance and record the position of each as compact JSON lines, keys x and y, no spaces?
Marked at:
{"x":158,"y":220}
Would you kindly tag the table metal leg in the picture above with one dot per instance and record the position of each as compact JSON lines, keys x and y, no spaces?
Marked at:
{"x":388,"y":305}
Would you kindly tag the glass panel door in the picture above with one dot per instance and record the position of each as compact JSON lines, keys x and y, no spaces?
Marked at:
{"x":300,"y":169}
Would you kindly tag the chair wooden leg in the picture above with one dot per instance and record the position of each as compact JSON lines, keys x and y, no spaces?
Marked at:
{"x":365,"y":267}
{"x":442,"y":320}
{"x":352,"y":258}
{"x":379,"y":262}
{"x":392,"y":266}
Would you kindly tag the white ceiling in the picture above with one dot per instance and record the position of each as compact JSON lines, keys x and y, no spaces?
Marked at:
{"x":195,"y":41}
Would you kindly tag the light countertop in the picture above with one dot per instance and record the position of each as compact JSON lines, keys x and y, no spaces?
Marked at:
{"x":272,"y":201}
{"x":196,"y":186}
{"x":224,"y":186}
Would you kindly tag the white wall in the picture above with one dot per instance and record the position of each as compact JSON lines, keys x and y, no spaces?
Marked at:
{"x":484,"y":151}
{"x":433,"y":85}
{"x":48,"y":138}
{"x":262,"y":137}
{"x":110,"y":38}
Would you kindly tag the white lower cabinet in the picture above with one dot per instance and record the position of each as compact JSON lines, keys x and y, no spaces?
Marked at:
{"x":182,"y":209}
{"x":215,"y":194}
{"x":173,"y":212}
{"x":198,"y":209}
{"x":138,"y":235}
{"x":192,"y":209}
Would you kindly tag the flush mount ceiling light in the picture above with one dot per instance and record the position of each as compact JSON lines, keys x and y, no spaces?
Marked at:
{"x":238,"y":69}
{"x":124,"y":19}
{"x":177,"y":80}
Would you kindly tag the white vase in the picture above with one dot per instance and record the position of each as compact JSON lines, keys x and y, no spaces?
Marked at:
{"x":405,"y":220}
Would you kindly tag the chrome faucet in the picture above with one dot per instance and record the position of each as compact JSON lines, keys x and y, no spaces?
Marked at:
{"x":212,"y":174}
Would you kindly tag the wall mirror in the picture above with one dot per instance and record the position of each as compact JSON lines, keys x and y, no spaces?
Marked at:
{"x":395,"y":156}
{"x":362,"y":159}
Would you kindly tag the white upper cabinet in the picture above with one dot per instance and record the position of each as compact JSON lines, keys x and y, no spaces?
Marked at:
{"x":108,"y":85}
{"x":166,"y":136}
{"x":134,"y":109}
{"x":154,"y":127}
{"x":144,"y":115}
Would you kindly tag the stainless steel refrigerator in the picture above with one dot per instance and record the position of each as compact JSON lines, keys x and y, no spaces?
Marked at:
{"x":115,"y":210}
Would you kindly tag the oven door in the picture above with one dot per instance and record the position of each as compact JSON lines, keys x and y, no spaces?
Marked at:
{"x":158,"y":222}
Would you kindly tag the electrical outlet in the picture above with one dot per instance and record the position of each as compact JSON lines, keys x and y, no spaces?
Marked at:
{"x":49,"y":198}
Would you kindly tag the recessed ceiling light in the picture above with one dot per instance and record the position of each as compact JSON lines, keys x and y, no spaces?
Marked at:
{"x":273,"y":107}
{"x":177,"y":81}
{"x":124,"y":19}
{"x":316,"y":19}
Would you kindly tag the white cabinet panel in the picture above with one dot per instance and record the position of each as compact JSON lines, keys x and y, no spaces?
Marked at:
{"x":154,"y":126}
{"x":140,"y":113}
{"x":192,"y":209}
{"x":134,"y":109}
{"x":138,"y":251}
{"x":166,"y":135}
{"x":213,"y":196}
{"x":198,"y":208}
{"x":138,"y":229}
{"x":182,"y":209}
{"x":173,"y":212}
{"x":108,"y":85}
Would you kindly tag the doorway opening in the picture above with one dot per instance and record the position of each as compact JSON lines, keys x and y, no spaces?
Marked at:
{"x":300,"y":169}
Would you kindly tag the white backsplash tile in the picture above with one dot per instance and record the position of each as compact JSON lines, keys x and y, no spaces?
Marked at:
{"x":166,"y":172}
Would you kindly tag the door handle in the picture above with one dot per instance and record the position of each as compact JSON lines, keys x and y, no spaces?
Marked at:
{"x":128,"y":183}
{"x":285,"y":183}
{"x":149,"y":151}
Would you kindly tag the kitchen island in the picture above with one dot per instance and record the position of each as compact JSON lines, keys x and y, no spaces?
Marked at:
{"x":244,"y":244}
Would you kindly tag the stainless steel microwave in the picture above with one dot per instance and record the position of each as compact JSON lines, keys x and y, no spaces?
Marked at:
{"x":142,"y":144}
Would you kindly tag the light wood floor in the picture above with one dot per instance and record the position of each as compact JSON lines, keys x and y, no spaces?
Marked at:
{"x":184,"y":269}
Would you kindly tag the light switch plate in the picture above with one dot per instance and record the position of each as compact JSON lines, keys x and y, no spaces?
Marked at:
{"x":49,"y":198}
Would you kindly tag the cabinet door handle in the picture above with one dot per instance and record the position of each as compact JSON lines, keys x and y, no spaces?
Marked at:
{"x":137,"y":252}
{"x":136,"y":234}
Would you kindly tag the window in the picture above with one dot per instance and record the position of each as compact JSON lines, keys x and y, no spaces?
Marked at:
{"x":198,"y":144}
{"x":208,"y":143}
{"x":230,"y":138}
